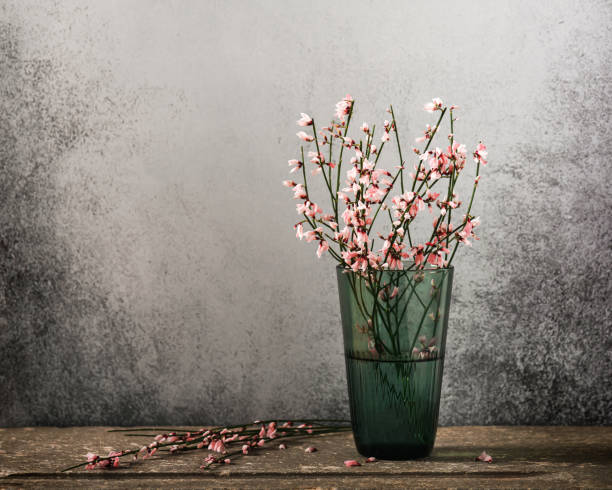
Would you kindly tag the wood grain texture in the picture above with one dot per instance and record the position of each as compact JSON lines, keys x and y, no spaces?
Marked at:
{"x":544,"y":457}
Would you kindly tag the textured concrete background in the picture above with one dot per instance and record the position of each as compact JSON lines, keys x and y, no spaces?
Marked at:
{"x":148,"y":270}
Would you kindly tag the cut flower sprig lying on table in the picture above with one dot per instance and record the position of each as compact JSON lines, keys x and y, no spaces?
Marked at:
{"x":346,"y":230}
{"x":225,"y":443}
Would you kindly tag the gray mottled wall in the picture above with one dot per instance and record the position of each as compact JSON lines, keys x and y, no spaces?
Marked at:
{"x":148,"y":270}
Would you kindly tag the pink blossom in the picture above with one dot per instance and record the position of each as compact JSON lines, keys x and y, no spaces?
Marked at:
{"x":299,"y":192}
{"x":344,"y":107}
{"x":245,"y":449}
{"x":323,"y":247}
{"x":344,"y":197}
{"x":92,"y":458}
{"x":115,"y":460}
{"x":484,"y":457}
{"x":436,"y":258}
{"x":352,"y":174}
{"x":385,"y":137}
{"x":458,"y":151}
{"x":394,"y":254}
{"x":434,"y":105}
{"x":480,"y":155}
{"x":261,"y":442}
{"x":371,"y":459}
{"x":271,"y":431}
{"x":232,"y":438}
{"x":468,"y":231}
{"x":308,"y":208}
{"x":352,"y":462}
{"x":365,"y":128}
{"x":418,"y":255}
{"x":375,"y":193}
{"x":349,"y":142}
{"x":367,"y":165}
{"x":217,"y":446}
{"x":310,"y":236}
{"x":296,"y":164}
{"x":305,"y":120}
{"x":316,"y":157}
{"x":431,"y":196}
{"x":310,"y":449}
{"x":227,"y":461}
{"x":343,"y":235}
{"x":208,"y":460}
{"x":304,"y":137}
{"x":417,"y":206}
{"x":427,"y":134}
{"x":282,"y":446}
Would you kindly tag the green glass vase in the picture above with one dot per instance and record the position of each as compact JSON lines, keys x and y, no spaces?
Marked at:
{"x":394,"y":328}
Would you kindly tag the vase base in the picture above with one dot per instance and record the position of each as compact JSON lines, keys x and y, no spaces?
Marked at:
{"x":393,"y":452}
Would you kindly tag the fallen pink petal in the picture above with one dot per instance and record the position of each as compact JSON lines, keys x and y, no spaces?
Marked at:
{"x":352,"y":462}
{"x":310,"y":449}
{"x":484,"y":457}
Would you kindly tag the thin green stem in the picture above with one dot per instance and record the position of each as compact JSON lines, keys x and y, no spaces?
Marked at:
{"x":399,"y":149}
{"x":348,"y":122}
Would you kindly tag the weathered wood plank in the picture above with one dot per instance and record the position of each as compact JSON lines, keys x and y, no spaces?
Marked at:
{"x":523,"y":456}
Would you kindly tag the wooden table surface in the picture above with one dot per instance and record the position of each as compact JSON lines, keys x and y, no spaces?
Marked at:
{"x":522,"y":457}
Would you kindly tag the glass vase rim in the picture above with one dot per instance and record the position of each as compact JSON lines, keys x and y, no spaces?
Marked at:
{"x":436,"y":269}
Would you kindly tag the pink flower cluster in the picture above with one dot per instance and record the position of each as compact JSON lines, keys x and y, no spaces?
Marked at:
{"x":367,"y":187}
{"x":111,"y":461}
{"x":250,"y":441}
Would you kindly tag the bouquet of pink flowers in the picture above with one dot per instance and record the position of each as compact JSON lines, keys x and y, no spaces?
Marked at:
{"x":394,"y":296}
{"x":366,"y":189}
